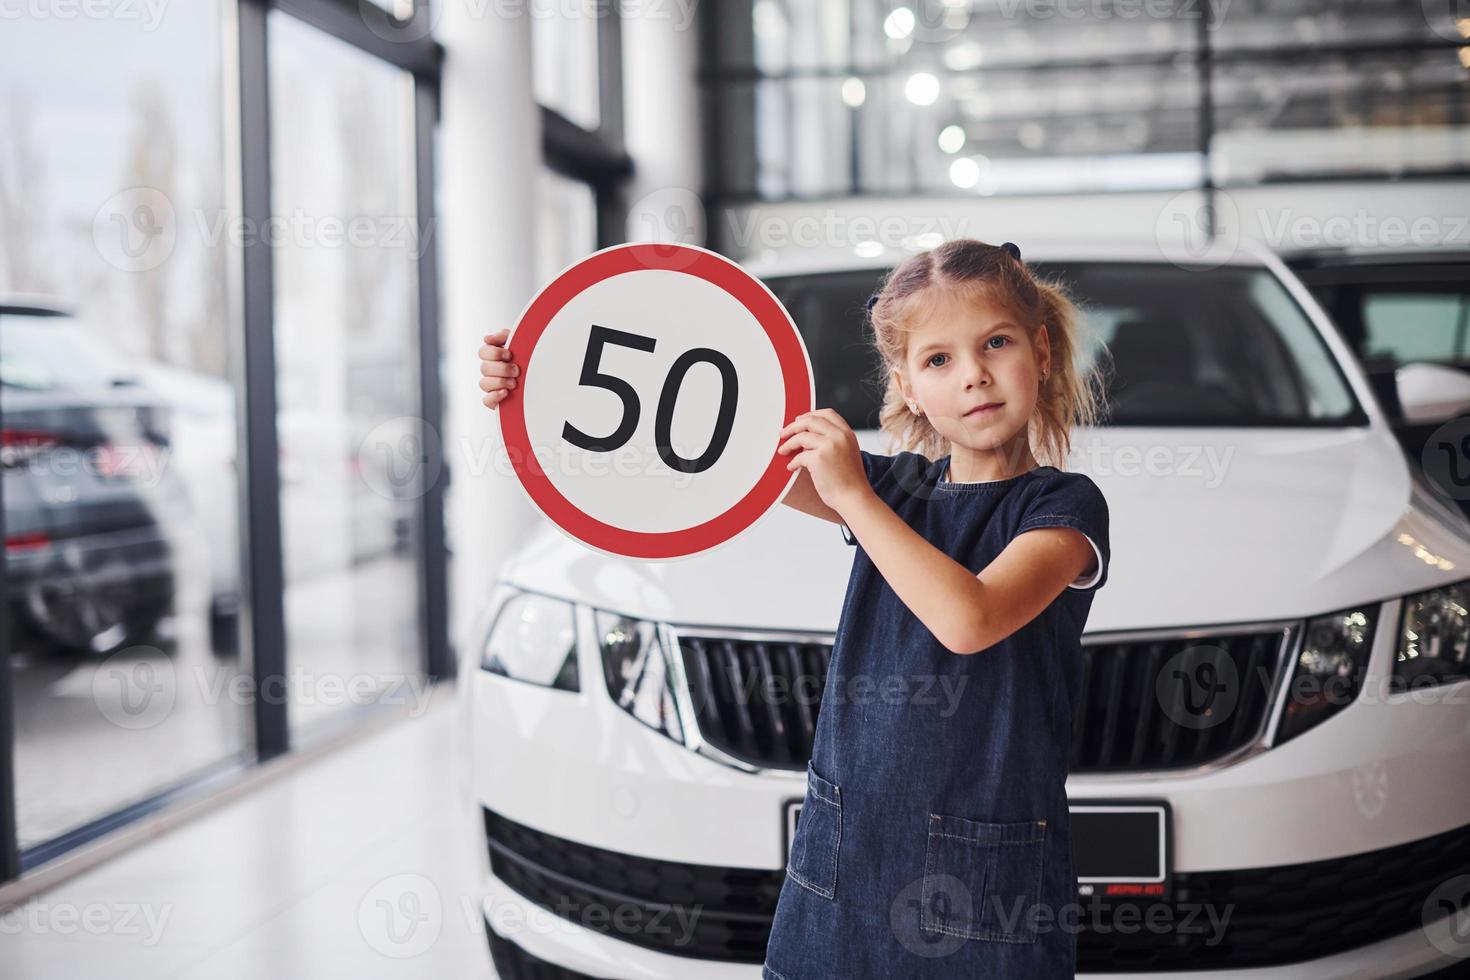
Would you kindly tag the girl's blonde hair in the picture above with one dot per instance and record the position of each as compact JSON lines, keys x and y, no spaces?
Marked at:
{"x":970,"y":270}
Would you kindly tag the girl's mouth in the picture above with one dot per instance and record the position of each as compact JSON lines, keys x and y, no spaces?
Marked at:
{"x":979,"y":409}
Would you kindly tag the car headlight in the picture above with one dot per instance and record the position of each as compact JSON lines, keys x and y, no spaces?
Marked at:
{"x":1328,"y":673}
{"x":1434,"y":638}
{"x":639,"y":677}
{"x":534,"y":639}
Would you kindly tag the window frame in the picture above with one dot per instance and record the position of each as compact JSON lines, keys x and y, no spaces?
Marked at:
{"x":245,"y":81}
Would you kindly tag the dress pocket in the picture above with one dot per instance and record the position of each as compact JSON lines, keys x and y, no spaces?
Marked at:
{"x":813,"y":861}
{"x":982,"y":880}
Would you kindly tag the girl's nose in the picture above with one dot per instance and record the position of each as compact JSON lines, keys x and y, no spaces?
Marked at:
{"x":975,"y":374}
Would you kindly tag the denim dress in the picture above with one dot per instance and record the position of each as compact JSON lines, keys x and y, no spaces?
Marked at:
{"x":933,"y":838}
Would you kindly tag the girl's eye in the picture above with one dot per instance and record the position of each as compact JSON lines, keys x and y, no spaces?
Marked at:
{"x":998,"y":337}
{"x":931,"y":363}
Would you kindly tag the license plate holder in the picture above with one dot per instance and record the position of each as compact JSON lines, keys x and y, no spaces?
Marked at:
{"x":788,"y":823}
{"x":1123,"y":849}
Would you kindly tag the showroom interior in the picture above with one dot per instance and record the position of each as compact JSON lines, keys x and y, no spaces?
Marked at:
{"x":298,"y":679}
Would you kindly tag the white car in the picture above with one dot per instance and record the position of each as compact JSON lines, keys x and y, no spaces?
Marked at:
{"x":1270,"y":775}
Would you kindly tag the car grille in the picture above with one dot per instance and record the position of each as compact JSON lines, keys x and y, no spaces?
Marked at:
{"x":1276,"y":915}
{"x":513,"y":963}
{"x":757,"y":699}
{"x":726,"y":911}
{"x":1287,"y":913}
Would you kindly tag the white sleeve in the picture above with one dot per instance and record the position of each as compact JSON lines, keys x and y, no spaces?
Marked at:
{"x":1088,"y":581}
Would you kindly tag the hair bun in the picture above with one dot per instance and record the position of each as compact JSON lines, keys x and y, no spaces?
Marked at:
{"x":1012,"y":249}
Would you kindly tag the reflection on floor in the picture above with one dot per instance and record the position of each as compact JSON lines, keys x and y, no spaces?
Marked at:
{"x":96,"y":734}
{"x":360,"y":864}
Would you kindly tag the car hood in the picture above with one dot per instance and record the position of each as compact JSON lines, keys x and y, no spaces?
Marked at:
{"x":1206,"y":527}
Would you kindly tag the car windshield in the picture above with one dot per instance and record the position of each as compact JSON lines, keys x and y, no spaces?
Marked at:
{"x":41,"y":353}
{"x":1226,"y":347}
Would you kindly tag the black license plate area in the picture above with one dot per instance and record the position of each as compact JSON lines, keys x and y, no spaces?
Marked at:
{"x":1122,"y":848}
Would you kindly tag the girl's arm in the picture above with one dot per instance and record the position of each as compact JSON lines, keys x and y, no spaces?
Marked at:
{"x":804,"y":497}
{"x":966,"y":612}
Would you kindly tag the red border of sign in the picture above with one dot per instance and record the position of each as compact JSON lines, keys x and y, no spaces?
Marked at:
{"x":692,"y":260}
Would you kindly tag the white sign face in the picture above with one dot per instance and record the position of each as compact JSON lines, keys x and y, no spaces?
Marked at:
{"x":655,"y":380}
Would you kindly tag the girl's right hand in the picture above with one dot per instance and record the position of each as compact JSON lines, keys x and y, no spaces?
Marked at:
{"x":498,"y":372}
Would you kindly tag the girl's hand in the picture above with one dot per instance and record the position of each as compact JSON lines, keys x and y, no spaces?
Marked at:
{"x":829,"y":453}
{"x":497,"y":373}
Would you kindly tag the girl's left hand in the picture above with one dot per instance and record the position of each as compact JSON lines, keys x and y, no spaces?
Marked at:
{"x":829,"y":453}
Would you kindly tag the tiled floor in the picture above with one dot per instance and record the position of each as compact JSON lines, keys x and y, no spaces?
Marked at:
{"x":360,"y":864}
{"x":92,"y":736}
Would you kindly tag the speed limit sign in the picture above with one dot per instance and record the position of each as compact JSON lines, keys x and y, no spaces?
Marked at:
{"x":655,"y":381}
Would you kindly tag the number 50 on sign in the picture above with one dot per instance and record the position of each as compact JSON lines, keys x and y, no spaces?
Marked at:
{"x":655,"y":380}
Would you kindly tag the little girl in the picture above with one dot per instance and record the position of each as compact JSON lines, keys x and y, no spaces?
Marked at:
{"x":933,"y":839}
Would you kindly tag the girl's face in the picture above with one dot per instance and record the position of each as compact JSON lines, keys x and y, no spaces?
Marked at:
{"x":966,"y":356}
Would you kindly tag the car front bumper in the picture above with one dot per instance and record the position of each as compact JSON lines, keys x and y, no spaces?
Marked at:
{"x":1326,"y":849}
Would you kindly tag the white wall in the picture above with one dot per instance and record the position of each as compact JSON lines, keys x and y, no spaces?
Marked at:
{"x":489,"y":152}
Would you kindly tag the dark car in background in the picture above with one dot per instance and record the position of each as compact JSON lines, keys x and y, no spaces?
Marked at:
{"x":88,"y":565}
{"x":1406,"y":314}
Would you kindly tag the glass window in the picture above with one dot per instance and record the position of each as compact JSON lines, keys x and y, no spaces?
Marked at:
{"x":1417,"y":326}
{"x":825,"y":97}
{"x":777,"y":36}
{"x":1382,"y":114}
{"x":564,"y":58}
{"x":981,"y":132}
{"x":1223,"y":347}
{"x":1228,"y":347}
{"x":830,"y":311}
{"x":119,"y":458}
{"x":1263,"y":26}
{"x":566,"y":223}
{"x":346,"y":373}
